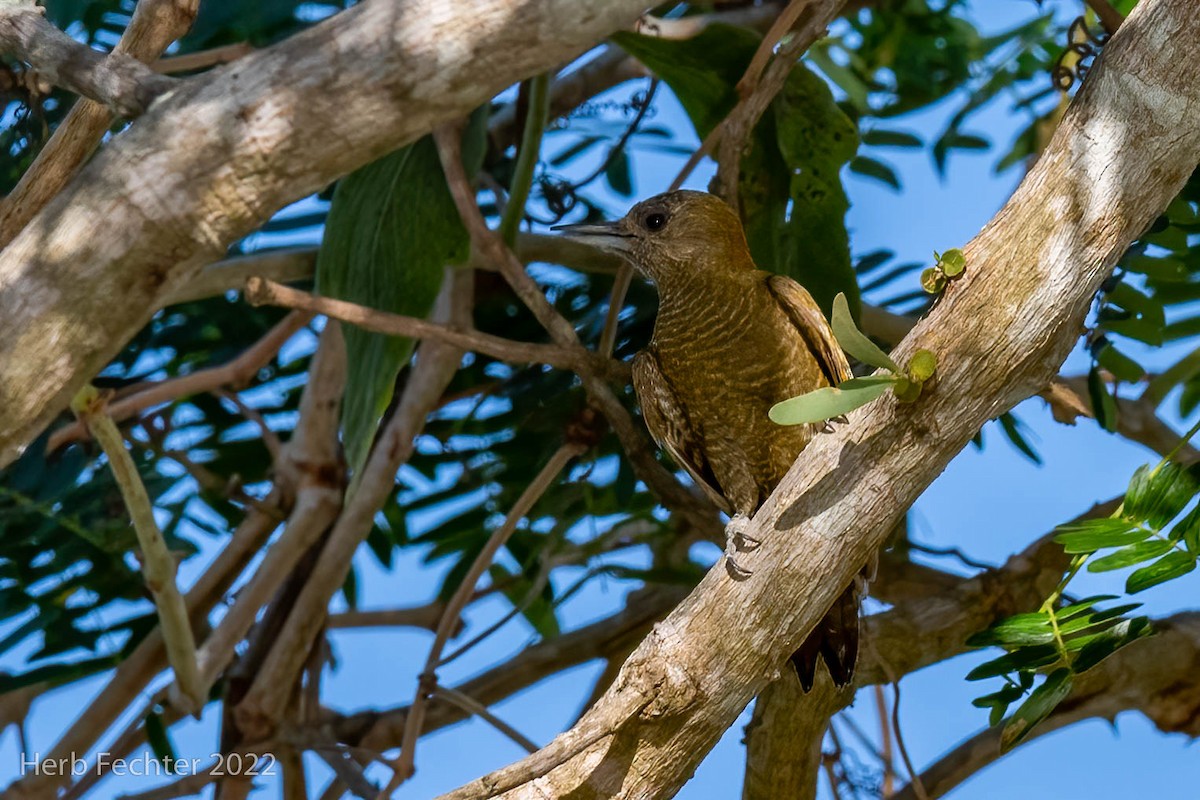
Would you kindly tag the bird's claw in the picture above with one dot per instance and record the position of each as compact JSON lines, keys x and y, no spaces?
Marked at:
{"x":738,"y":541}
{"x":828,"y":426}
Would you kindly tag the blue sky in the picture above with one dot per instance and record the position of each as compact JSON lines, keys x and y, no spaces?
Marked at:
{"x":989,"y":503}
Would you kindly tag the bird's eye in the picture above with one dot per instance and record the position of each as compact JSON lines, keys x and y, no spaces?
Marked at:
{"x":655,"y":221}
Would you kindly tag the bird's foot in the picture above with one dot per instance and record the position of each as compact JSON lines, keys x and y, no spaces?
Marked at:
{"x":738,"y":541}
{"x":828,"y":426}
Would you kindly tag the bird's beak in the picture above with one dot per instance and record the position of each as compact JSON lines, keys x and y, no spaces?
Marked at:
{"x":607,"y":236}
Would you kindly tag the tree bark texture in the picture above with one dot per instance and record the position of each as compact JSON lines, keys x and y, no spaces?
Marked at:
{"x":217,"y":156}
{"x":1122,"y":152}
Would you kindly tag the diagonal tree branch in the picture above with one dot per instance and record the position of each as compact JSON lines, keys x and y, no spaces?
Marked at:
{"x":155,"y":24}
{"x":216,"y":157}
{"x":999,"y":335}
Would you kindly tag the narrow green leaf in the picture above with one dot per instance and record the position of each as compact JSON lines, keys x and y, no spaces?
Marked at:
{"x":1107,"y":642}
{"x":1090,"y":541}
{"x":1104,"y":406}
{"x":1128,"y":556}
{"x":619,"y":174}
{"x":878,"y":137}
{"x":830,"y":401}
{"x":854,"y":341}
{"x":392,"y":228}
{"x":1120,"y":365}
{"x":1023,"y":659}
{"x":159,"y":740}
{"x":1100,"y":525}
{"x":1041,"y":702}
{"x":1158,"y":494}
{"x":874,"y":168}
{"x":1187,"y":530}
{"x":1170,"y":566}
{"x":1019,"y":629}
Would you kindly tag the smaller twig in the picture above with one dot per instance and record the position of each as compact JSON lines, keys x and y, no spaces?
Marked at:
{"x":913,"y":775}
{"x":236,"y":373}
{"x":952,"y":552}
{"x":264,"y":292}
{"x":404,"y":765}
{"x":885,"y":743}
{"x":158,"y":565}
{"x":473,"y":706}
{"x":202,"y":58}
{"x":121,"y":82}
{"x":779,"y":28}
{"x":425,"y":616}
{"x":269,"y":437}
{"x":1108,"y":15}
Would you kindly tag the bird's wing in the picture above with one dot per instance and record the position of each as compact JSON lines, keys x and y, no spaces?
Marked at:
{"x":806,"y":315}
{"x":669,"y":425}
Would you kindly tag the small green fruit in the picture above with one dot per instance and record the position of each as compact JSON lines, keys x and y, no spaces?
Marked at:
{"x":953,"y":262}
{"x":933,"y":280}
{"x":922,"y":366}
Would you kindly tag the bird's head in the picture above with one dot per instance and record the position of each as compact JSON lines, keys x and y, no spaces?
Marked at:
{"x":673,"y":238}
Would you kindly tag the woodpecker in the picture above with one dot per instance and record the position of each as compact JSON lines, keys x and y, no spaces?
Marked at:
{"x":730,"y":341}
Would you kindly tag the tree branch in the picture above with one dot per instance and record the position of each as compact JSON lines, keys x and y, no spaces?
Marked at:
{"x":124,"y":84}
{"x":216,"y":157}
{"x":999,"y":335}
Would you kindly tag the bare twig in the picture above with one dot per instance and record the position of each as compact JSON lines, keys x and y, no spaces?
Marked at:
{"x":264,"y":292}
{"x":158,"y":565}
{"x":472,"y":706}
{"x":885,"y":743}
{"x":404,"y":765}
{"x":1108,"y":15}
{"x":757,"y":90}
{"x":202,"y":59}
{"x":436,"y":363}
{"x":236,"y":373}
{"x":812,"y":16}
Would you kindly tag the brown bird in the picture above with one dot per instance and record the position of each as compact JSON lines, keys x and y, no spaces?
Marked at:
{"x":729,"y":342}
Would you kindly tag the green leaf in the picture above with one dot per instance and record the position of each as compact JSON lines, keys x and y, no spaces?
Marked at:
{"x":1128,"y":556}
{"x":1084,"y":538}
{"x":1170,"y":566}
{"x":392,"y":229}
{"x":877,"y":137}
{"x":1041,"y":702}
{"x":1120,"y":365}
{"x":796,"y":219}
{"x":618,"y":174}
{"x":1187,"y":530}
{"x":1023,"y":659}
{"x":854,"y":341}
{"x":873,"y":168}
{"x":1157,"y":495}
{"x":830,"y":401}
{"x":1104,"y":406}
{"x":1016,"y":631}
{"x":158,"y":738}
{"x":999,"y":701}
{"x":1107,"y":642}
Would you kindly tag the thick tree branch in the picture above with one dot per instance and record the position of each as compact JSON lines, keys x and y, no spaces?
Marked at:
{"x":122,"y":83}
{"x":224,"y":151}
{"x":155,"y":24}
{"x":1122,"y":152}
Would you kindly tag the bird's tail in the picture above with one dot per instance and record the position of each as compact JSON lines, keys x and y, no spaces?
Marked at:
{"x":834,"y":640}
